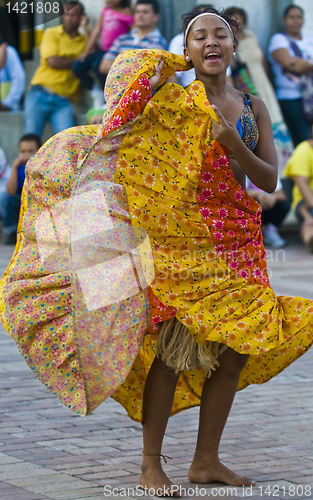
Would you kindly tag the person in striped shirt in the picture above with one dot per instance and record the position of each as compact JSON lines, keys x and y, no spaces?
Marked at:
{"x":144,"y":35}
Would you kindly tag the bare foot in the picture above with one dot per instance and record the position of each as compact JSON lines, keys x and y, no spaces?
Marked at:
{"x":213,"y":471}
{"x":154,"y":480}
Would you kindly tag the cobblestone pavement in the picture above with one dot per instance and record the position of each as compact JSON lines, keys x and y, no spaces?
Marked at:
{"x":48,"y":452}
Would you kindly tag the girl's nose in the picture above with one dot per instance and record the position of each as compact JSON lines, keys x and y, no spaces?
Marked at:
{"x":210,"y":42}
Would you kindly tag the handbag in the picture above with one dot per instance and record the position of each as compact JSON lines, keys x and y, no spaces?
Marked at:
{"x":306,"y":85}
{"x":242,"y":77}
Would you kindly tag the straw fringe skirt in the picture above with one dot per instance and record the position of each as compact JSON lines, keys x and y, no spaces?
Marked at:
{"x":180,"y":351}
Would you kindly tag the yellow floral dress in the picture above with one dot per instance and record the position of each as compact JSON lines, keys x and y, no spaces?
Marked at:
{"x":165,"y":178}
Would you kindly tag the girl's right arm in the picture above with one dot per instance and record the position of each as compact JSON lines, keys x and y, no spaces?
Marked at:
{"x":134,"y":100}
{"x":131,"y":104}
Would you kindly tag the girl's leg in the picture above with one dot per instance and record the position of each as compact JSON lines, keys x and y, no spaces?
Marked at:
{"x":157,"y":403}
{"x":217,"y":397}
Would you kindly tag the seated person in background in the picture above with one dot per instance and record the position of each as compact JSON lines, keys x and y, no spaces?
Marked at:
{"x":12,"y":78}
{"x":145,"y":34}
{"x":94,"y":116}
{"x":115,"y":20}
{"x":300,"y":168}
{"x":275,"y":207}
{"x":10,"y":200}
{"x":291,"y":55}
{"x":176,"y":46}
{"x":54,"y":84}
{"x":250,"y":54}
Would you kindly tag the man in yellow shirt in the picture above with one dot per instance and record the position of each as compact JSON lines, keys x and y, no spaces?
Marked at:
{"x":300,"y":168}
{"x":54,"y":84}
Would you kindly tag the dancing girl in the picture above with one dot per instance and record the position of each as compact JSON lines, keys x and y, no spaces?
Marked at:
{"x":167,"y":165}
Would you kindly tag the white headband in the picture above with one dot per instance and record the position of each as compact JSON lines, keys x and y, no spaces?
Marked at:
{"x":207,"y":14}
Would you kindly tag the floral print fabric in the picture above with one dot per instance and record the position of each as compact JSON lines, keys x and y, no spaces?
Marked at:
{"x":204,"y":231}
{"x":207,"y":244}
{"x":81,"y":354}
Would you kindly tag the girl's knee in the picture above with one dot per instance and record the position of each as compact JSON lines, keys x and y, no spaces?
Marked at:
{"x":235,"y":362}
{"x":165,"y":369}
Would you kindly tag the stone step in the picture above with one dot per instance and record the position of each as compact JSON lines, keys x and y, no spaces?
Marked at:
{"x":12,"y":128}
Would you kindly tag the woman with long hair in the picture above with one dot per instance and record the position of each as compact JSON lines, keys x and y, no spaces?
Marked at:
{"x":140,"y":271}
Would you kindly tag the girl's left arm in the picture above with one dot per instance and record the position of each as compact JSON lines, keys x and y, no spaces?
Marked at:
{"x":261,"y":164}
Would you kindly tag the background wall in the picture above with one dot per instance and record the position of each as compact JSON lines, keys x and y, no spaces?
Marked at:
{"x":264,"y":15}
{"x":259,"y":16}
{"x":307,"y":6}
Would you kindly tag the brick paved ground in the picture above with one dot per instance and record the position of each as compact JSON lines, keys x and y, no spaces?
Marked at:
{"x":47,"y":452}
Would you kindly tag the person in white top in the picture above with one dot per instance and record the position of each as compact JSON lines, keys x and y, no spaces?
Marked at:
{"x":287,"y":68}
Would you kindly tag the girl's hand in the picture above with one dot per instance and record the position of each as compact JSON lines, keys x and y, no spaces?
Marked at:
{"x":156,"y":78}
{"x":224,"y":132}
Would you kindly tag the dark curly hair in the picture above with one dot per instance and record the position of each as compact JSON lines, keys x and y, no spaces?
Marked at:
{"x":154,"y":4}
{"x":189,"y":16}
{"x":290,"y":7}
{"x":236,"y":11}
{"x":125,"y":3}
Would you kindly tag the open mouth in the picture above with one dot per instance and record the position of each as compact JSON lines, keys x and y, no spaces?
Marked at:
{"x":213,"y":57}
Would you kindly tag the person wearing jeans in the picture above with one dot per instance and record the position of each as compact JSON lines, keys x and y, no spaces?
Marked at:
{"x":92,"y":61}
{"x":49,"y":107}
{"x":115,"y":20}
{"x":54,"y":84}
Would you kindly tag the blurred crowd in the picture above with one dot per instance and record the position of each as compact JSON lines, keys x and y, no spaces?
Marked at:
{"x":73,"y":58}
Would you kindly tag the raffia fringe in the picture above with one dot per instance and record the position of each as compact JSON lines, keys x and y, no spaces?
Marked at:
{"x":180,"y":351}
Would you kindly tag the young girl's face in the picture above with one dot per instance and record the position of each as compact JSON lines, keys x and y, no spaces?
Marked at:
{"x":210,"y":46}
{"x":113,"y":4}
